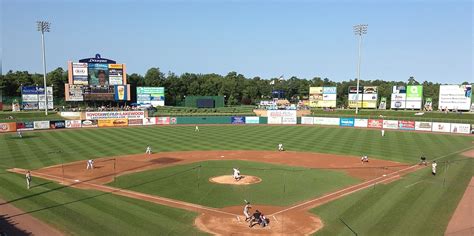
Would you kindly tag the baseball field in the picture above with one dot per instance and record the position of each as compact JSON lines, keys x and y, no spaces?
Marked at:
{"x":318,"y":185}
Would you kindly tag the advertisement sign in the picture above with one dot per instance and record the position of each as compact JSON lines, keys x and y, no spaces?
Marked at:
{"x":41,"y":124}
{"x":286,"y":116}
{"x":423,"y":126}
{"x":441,"y":127}
{"x":115,"y":115}
{"x":79,"y":74}
{"x":237,"y":120}
{"x":149,"y":121}
{"x":398,"y":101}
{"x":98,"y":74}
{"x":390,"y":124}
{"x":274,"y":120}
{"x":29,"y":105}
{"x":361,"y":123}
{"x":89,"y":123}
{"x":252,"y":120}
{"x":369,"y":97}
{"x":371,"y":123}
{"x":113,"y":123}
{"x":7,"y":127}
{"x":75,"y":93}
{"x":173,"y":121}
{"x":120,"y":93}
{"x":57,"y":124}
{"x":414,"y":97}
{"x":455,"y":97}
{"x":33,"y":97}
{"x":115,"y":74}
{"x":322,"y":96}
{"x":326,"y":121}
{"x":353,"y":98}
{"x":346,"y":122}
{"x":163,"y":120}
{"x":406,"y":125}
{"x":99,"y":93}
{"x":24,"y":126}
{"x":73,"y":124}
{"x":307,"y":120}
{"x":151,"y":95}
{"x":134,"y":122}
{"x":458,"y":128}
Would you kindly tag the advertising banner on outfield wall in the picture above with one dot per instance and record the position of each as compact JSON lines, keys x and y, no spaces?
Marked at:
{"x":252,"y":120}
{"x":57,"y":124}
{"x":113,"y":123}
{"x":406,"y":124}
{"x":89,"y":123}
{"x":163,"y":120}
{"x":390,"y":124}
{"x":374,"y":123}
{"x":346,"y":122}
{"x":73,"y":124}
{"x":173,"y":120}
{"x":115,"y":115}
{"x":7,"y":127}
{"x":274,"y":120}
{"x":441,"y":127}
{"x":237,"y":120}
{"x":361,"y":123}
{"x":307,"y":120}
{"x":423,"y":126}
{"x":326,"y":121}
{"x":135,"y":122}
{"x":149,"y":121}
{"x":24,"y":126}
{"x":287,"y":117}
{"x":460,"y":128}
{"x":41,"y":124}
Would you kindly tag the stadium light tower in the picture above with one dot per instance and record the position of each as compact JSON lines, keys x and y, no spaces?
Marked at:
{"x":359,"y":30}
{"x":44,"y":26}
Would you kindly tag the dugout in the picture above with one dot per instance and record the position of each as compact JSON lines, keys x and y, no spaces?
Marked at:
{"x":204,"y":101}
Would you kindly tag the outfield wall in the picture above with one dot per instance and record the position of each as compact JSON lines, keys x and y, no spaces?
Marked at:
{"x":276,"y":119}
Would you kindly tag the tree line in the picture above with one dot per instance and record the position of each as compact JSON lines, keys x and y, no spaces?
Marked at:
{"x":237,"y":89}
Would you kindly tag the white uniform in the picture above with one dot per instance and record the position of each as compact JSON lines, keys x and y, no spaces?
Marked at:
{"x":383,"y":133}
{"x":246,"y":212}
{"x":28,"y":179}
{"x":90,"y":164}
{"x":236,"y":173}
{"x":196,"y":129}
{"x":280,"y":147}
{"x":19,"y":134}
{"x":433,"y":168}
{"x":148,"y":150}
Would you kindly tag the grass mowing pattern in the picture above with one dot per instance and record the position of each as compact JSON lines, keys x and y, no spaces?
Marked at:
{"x":280,"y":186}
{"x":102,"y":215}
{"x":418,"y":204}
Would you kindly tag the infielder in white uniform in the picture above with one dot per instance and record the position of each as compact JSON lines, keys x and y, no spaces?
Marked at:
{"x":383,"y":132}
{"x":246,"y":211}
{"x":364,"y":158}
{"x":237,"y":175}
{"x":148,"y":150}
{"x":90,"y":164}
{"x":433,"y":167}
{"x":28,"y":179}
{"x":280,"y":147}
{"x":196,"y":129}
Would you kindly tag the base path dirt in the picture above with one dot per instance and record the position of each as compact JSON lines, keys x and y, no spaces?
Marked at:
{"x":469,"y":153}
{"x":14,"y":221}
{"x":462,"y":222}
{"x":289,"y":220}
{"x":229,"y":179}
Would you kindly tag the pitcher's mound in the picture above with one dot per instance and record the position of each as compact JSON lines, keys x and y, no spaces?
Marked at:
{"x":229,"y":179}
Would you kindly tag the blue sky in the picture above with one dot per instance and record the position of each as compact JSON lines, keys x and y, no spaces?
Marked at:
{"x":431,"y":40}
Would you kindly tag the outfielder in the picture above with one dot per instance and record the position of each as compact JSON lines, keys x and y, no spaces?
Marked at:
{"x":236,"y":174}
{"x":196,"y":129}
{"x":433,"y":168}
{"x":246,"y":211}
{"x":383,"y":132}
{"x":148,"y":150}
{"x":280,"y":147}
{"x":28,"y":179}
{"x":19,"y":134}
{"x":90,"y":164}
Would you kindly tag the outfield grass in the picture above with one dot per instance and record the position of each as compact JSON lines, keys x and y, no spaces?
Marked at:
{"x":88,"y":214}
{"x":280,"y":186}
{"x":29,"y":116}
{"x":418,"y":204}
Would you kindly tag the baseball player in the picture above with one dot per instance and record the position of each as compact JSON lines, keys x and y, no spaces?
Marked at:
{"x":196,"y":129}
{"x":433,"y":168}
{"x":263,"y":220}
{"x":28,"y":179}
{"x":19,"y":134}
{"x":364,"y":159}
{"x":280,"y":147}
{"x":423,"y":160}
{"x":383,"y":132}
{"x":236,"y":174}
{"x":247,"y":207}
{"x":90,"y":164}
{"x":148,"y":150}
{"x":255,"y":218}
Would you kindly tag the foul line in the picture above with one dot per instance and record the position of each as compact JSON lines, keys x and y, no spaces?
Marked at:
{"x":368,"y":183}
{"x":413,"y":184}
